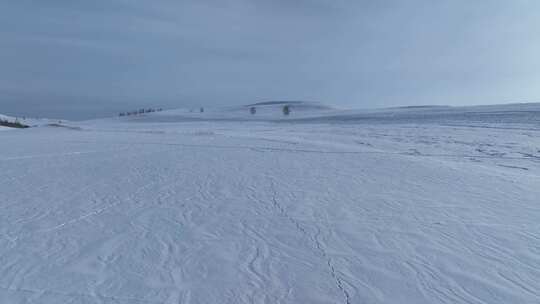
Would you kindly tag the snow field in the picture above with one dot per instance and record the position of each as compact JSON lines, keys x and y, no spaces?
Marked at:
{"x":264,"y":212}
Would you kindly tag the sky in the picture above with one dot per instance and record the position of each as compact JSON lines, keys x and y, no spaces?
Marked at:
{"x":79,"y":59}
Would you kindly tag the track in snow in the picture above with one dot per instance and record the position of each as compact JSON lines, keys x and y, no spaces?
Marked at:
{"x":218,"y":212}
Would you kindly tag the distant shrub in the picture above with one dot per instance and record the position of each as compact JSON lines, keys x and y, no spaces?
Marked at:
{"x":201,"y":110}
{"x":252,"y":110}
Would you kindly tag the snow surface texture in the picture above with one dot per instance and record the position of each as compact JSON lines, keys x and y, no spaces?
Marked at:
{"x":179,"y":207}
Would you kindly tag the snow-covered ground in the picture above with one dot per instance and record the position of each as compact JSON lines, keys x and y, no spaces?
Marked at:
{"x":408,"y":205}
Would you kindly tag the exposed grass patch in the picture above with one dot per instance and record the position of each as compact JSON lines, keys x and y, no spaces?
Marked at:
{"x":12,"y":124}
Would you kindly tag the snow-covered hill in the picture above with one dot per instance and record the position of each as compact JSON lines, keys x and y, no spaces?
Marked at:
{"x":308,"y":112}
{"x":403,"y":205}
{"x":526,"y":114}
{"x":264,"y":111}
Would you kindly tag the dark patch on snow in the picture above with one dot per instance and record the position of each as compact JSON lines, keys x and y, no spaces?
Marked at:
{"x":13,"y":124}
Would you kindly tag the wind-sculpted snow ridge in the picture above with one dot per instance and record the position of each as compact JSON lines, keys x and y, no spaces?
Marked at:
{"x":239,"y":211}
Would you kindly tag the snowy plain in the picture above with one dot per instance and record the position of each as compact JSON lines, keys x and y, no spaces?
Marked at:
{"x":405,"y":205}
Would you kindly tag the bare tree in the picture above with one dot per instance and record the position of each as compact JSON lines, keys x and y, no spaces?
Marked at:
{"x":286,"y":110}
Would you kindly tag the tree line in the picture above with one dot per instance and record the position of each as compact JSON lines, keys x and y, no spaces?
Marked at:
{"x":139,"y":112}
{"x":285,"y":109}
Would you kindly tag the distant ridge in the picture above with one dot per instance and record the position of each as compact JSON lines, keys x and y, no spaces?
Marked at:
{"x":297,"y":104}
{"x":421,"y":107}
{"x":287,"y":102}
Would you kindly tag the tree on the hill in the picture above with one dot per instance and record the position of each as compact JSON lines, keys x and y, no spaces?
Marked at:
{"x":286,"y":110}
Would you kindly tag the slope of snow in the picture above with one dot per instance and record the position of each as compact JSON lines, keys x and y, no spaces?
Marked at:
{"x":515,"y":114}
{"x":221,"y":209}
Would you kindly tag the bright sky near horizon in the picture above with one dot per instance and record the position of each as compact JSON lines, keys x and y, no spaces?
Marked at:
{"x":80,"y":59}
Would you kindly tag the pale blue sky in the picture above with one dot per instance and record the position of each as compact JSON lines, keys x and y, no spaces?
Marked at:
{"x":79,"y":58}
